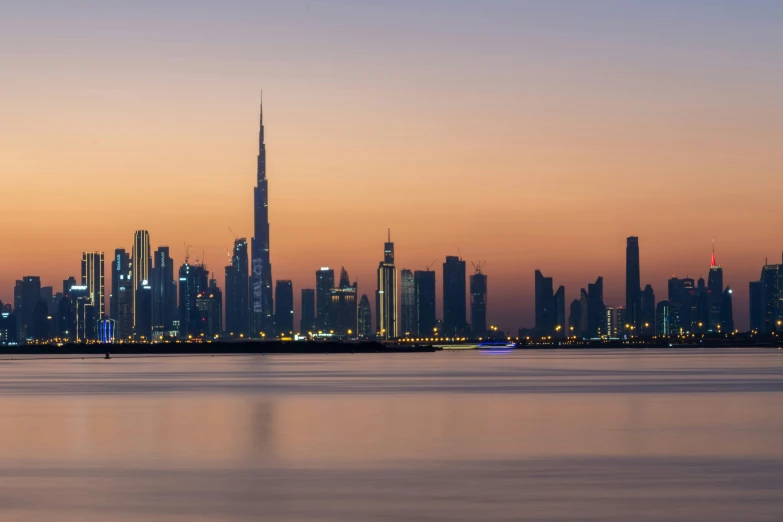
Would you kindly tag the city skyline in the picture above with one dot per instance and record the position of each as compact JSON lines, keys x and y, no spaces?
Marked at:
{"x":548,"y":180}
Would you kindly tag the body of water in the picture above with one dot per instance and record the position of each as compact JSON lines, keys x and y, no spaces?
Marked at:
{"x":637,"y":435}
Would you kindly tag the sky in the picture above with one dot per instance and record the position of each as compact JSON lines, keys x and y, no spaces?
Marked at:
{"x":523,"y":134}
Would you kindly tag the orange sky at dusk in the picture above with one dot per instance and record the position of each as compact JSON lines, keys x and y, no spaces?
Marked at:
{"x":512,"y":146}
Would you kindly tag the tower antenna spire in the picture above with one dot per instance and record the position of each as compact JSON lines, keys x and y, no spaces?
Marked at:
{"x":389,"y":232}
{"x":713,"y":253}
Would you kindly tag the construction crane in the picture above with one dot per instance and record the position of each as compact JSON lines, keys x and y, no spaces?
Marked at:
{"x":430,"y":265}
{"x":187,"y":253}
{"x":478,"y":266}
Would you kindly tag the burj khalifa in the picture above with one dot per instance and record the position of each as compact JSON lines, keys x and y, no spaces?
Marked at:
{"x":261,"y":277}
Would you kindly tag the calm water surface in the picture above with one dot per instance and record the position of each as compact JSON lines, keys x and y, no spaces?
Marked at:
{"x":553,"y":436}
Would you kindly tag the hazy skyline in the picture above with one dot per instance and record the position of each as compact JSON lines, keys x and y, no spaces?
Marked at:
{"x":524,"y":134}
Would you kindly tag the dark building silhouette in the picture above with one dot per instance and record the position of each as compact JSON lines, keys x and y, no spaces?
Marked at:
{"x":164,"y":292}
{"x":238,"y":291}
{"x":284,"y":311}
{"x":682,"y":299}
{"x":407,"y":304}
{"x":364,"y":318}
{"x":550,"y":308}
{"x":193,"y":280}
{"x":772,"y":276}
{"x":633,"y":285}
{"x":307,"y":321}
{"x":120,"y":274}
{"x":386,"y":294}
{"x":575,"y":318}
{"x":596,"y":311}
{"x":27,"y":294}
{"x":142,"y":330}
{"x":8,"y":327}
{"x":663,"y":320}
{"x":209,"y":312}
{"x":124,"y":308}
{"x":758,"y":294}
{"x":727,"y":312}
{"x":702,"y":311}
{"x":648,"y":312}
{"x":478,"y":303}
{"x":424,"y":290}
{"x":324,"y":282}
{"x":714,"y":295}
{"x":344,"y":307}
{"x":261,"y":289}
{"x":454,"y":296}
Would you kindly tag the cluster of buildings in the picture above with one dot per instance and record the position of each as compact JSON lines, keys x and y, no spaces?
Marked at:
{"x":151,"y":299}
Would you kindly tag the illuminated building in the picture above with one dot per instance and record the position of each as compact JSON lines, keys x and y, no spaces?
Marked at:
{"x":83,"y":316}
{"x":93,"y":279}
{"x":307,"y":320}
{"x":454,"y":300}
{"x":424,"y":290}
{"x":647,"y":327}
{"x":772,"y":276}
{"x":284,"y":308}
{"x":407,"y":303}
{"x":142,"y":330}
{"x":633,"y":285}
{"x":478,"y":303}
{"x":364,"y":318}
{"x":611,"y":324}
{"x":261,"y":293}
{"x":663,"y":320}
{"x":208,"y":312}
{"x":164,"y":292}
{"x":124,"y":299}
{"x":141,"y":266}
{"x":106,"y":331}
{"x":324,"y":282}
{"x":622,"y":327}
{"x":343,"y":308}
{"x":238,"y":291}
{"x":120,"y":271}
{"x":7,"y":328}
{"x":386,"y":294}
{"x":714,"y":294}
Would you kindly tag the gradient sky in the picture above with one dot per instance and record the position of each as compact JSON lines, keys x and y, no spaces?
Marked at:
{"x":524,"y":134}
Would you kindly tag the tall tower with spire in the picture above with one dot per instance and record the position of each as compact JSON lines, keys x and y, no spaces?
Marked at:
{"x":715,"y":293}
{"x":386,"y":294}
{"x":261,"y":277}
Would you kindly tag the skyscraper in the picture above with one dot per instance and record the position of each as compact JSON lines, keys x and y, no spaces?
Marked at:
{"x":343,"y":307}
{"x":364,"y":318}
{"x":560,"y":315}
{"x":386,"y":294}
{"x":284,"y":311}
{"x":164,"y":291}
{"x":93,"y":279}
{"x":663,"y":321}
{"x":574,"y":319}
{"x":120,"y":275}
{"x":238,"y":291}
{"x":633,"y":285}
{"x":307,"y":321}
{"x":772,"y":276}
{"x":27,"y":296}
{"x":648,"y":310}
{"x":550,"y":307}
{"x":261,"y":294}
{"x":141,"y":265}
{"x":209,"y":311}
{"x":727,"y":312}
{"x":478,"y":303}
{"x":454,"y":300}
{"x":324,"y":282}
{"x":407,"y":303}
{"x":193,"y":280}
{"x":596,"y":313}
{"x":424,"y":290}
{"x":715,"y":294}
{"x":757,"y":291}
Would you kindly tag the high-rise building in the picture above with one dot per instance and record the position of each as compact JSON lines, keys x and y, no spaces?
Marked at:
{"x":574,"y":319}
{"x":164,"y":292}
{"x":544,"y":302}
{"x":261,"y":293}
{"x":633,"y":285}
{"x":93,"y":279}
{"x":307,"y":321}
{"x":141,"y":265}
{"x":714,"y":294}
{"x":682,"y":300}
{"x":647,"y":327}
{"x":478,"y":303}
{"x":365,"y":318}
{"x":386,"y":294}
{"x":125,"y":297}
{"x":596,"y":313}
{"x":27,"y":294}
{"x":758,"y":294}
{"x":560,"y":315}
{"x":82,"y":319}
{"x":727,"y":312}
{"x":324,"y":282}
{"x":663,"y":320}
{"x":772,"y":276}
{"x":120,"y":275}
{"x":238,"y":291}
{"x":142,"y":329}
{"x":622,"y":326}
{"x":611,"y":321}
{"x":424,"y":294}
{"x":407,"y":303}
{"x":284,"y":311}
{"x":454,"y":296}
{"x":343,"y":307}
{"x":193,"y":280}
{"x":209,"y":308}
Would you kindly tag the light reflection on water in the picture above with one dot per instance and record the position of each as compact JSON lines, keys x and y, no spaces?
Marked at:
{"x":562,"y":435}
